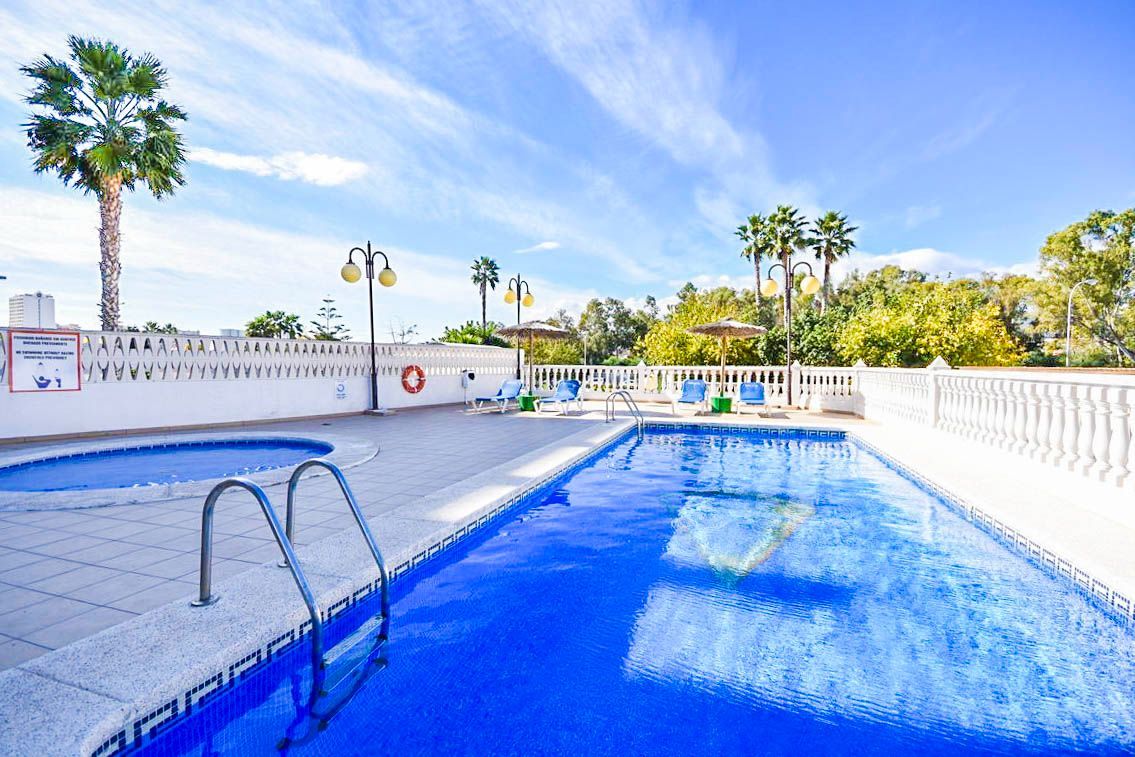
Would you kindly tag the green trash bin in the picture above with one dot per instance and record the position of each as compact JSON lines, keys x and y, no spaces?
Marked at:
{"x":721,"y":404}
{"x":526,"y":402}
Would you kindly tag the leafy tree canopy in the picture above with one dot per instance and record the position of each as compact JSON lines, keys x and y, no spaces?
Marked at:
{"x":275,"y":324}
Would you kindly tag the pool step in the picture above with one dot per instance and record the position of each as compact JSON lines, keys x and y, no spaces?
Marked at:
{"x":352,"y":653}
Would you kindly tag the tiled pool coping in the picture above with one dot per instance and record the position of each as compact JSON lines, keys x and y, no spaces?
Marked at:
{"x":135,"y":722}
{"x":347,"y":452}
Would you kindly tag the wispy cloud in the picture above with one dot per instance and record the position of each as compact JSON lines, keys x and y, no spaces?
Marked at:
{"x":916,"y":215}
{"x":167,"y":249}
{"x":540,"y":247}
{"x":929,"y":260}
{"x":957,"y":137}
{"x":313,"y":168}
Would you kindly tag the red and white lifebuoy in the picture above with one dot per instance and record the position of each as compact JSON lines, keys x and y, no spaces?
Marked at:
{"x":413,"y":379}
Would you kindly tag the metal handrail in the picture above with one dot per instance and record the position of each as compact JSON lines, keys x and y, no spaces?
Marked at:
{"x":206,"y":596}
{"x":632,"y":406}
{"x":293,"y":484}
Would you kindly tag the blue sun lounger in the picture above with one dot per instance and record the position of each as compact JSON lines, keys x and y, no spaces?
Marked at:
{"x":567,"y":392}
{"x":693,"y":393}
{"x":510,"y":390}
{"x":752,"y":394}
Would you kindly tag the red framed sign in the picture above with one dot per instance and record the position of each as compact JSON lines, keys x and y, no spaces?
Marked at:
{"x":44,"y":361}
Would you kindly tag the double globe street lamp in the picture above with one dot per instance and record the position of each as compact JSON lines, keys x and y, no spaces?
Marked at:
{"x":769,"y":288}
{"x":351,"y":273}
{"x":516,"y":285}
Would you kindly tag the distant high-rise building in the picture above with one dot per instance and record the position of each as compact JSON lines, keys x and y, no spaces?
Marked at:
{"x":31,"y":311}
{"x":231,"y":332}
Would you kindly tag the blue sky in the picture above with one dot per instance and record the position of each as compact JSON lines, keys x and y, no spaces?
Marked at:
{"x":600,"y":149}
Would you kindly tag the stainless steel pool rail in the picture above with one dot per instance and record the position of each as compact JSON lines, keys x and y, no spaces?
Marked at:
{"x":360,"y":519}
{"x":284,"y":537}
{"x":632,"y":406}
{"x":206,"y":596}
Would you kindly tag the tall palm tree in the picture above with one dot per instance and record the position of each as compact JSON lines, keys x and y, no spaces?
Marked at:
{"x":103,"y":127}
{"x":832,"y":241}
{"x":787,"y":231}
{"x":754,"y":233}
{"x":486,"y":274}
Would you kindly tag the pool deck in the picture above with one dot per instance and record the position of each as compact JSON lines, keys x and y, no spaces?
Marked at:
{"x":66,"y":575}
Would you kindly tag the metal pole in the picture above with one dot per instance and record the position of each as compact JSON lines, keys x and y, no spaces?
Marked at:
{"x":788,"y":323}
{"x":373,"y":360}
{"x":519,"y":374}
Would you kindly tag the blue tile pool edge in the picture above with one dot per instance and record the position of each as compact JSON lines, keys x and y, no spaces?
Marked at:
{"x":159,"y":719}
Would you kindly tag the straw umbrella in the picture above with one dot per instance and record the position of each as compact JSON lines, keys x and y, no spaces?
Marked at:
{"x":724,"y":329}
{"x":533,"y":329}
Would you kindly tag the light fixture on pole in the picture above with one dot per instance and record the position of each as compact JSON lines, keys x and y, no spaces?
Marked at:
{"x":769,"y":288}
{"x":351,"y":273}
{"x":515,"y":286}
{"x":1068,"y":326}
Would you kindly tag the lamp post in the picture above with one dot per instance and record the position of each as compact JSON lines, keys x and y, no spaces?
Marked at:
{"x":515,"y":285}
{"x":1068,"y":326}
{"x":351,"y":273}
{"x":809,"y":285}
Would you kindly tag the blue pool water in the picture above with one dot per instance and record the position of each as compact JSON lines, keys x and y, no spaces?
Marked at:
{"x":705,"y":592}
{"x":160,"y":464}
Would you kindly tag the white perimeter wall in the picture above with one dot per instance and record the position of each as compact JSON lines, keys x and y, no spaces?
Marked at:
{"x":143,"y":381}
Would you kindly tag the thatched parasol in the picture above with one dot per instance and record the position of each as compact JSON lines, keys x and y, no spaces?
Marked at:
{"x":533,"y":329}
{"x":724,"y":329}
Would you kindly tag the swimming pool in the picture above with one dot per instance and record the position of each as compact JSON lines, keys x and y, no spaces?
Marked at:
{"x":156,"y":464}
{"x":704,"y":591}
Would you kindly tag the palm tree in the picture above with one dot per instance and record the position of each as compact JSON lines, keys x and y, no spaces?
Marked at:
{"x":104,"y":128}
{"x":486,"y":274}
{"x":786,"y":231}
{"x":832,"y":241}
{"x":754,"y":234}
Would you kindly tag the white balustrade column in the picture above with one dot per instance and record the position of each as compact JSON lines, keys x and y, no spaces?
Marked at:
{"x":1044,"y":421}
{"x":1032,"y":418}
{"x":1120,"y":441}
{"x":1085,"y":413}
{"x":1101,"y":441}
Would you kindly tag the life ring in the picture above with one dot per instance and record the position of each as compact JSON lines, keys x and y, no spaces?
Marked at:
{"x":419,"y":382}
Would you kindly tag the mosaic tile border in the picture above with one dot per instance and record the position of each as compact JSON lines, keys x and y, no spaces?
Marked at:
{"x":1100,"y":593}
{"x":142,"y":729}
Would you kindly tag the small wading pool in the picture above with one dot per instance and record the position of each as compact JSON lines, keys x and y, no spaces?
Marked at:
{"x":158,"y":464}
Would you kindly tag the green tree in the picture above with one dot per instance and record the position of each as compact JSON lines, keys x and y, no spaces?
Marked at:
{"x":926,"y":319}
{"x":326,"y":326}
{"x":758,"y":245}
{"x":472,"y":332}
{"x":831,"y":242}
{"x":1102,"y":248}
{"x":275,"y":324}
{"x":486,"y":275}
{"x":103,"y":127}
{"x":611,"y":328}
{"x":787,"y":232}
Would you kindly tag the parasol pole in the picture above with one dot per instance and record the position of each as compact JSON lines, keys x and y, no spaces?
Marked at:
{"x":721,"y":383}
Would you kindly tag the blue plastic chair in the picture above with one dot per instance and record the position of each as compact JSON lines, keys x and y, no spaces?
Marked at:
{"x":751,"y":393}
{"x":567,"y":392}
{"x":510,"y":390}
{"x":694,"y":392}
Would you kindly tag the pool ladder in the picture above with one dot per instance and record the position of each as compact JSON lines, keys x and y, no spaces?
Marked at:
{"x":352,"y":653}
{"x":632,"y":406}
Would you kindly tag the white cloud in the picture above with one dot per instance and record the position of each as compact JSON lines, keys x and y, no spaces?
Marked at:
{"x":916,"y":215}
{"x":313,"y":168}
{"x":928,"y":260}
{"x":51,"y":244}
{"x":540,"y":247}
